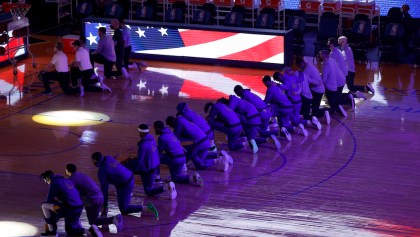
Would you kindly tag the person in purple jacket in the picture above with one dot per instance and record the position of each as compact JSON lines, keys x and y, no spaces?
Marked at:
{"x":110,"y":171}
{"x":260,"y":105}
{"x":193,"y":117}
{"x":197,"y":152}
{"x":147,"y":163}
{"x":92,"y":199}
{"x":290,"y":83}
{"x":63,"y":200}
{"x":172,"y":154}
{"x":281,"y":107}
{"x":223,"y":119}
{"x":250,"y":119}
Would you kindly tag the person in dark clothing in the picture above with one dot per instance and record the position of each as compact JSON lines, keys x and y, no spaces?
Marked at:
{"x":118,"y":46}
{"x":63,"y":200}
{"x":406,"y":22}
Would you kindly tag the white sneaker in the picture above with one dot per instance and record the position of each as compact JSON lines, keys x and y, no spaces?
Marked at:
{"x":342,"y":111}
{"x":171,"y":190}
{"x":351,"y":98}
{"x":361,"y":95}
{"x":276,"y":141}
{"x":213,"y":149}
{"x":94,"y":231}
{"x":228,"y":157}
{"x":327,"y":117}
{"x":104,"y":87}
{"x":118,"y":222}
{"x":254,"y":146}
{"x":300,"y":129}
{"x":196,"y":179}
{"x":316,"y":122}
{"x":370,"y":88}
{"x":285,"y":133}
{"x":126,"y":74}
{"x":223,"y":163}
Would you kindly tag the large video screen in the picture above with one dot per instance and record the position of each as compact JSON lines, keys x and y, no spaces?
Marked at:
{"x":200,"y":44}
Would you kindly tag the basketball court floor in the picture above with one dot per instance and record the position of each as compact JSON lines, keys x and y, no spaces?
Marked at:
{"x":358,"y":176}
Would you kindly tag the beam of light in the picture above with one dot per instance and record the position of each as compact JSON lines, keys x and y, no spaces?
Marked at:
{"x":15,"y":229}
{"x":240,"y":222}
{"x":70,"y":118}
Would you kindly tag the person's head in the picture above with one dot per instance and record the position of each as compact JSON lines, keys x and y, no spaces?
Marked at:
{"x":121,"y":22}
{"x":101,"y":31}
{"x":97,"y":158}
{"x":332,"y":43}
{"x":300,"y":62}
{"x":239,"y":90}
{"x":158,"y":126}
{"x":143,"y":130}
{"x":47,"y":176}
{"x":70,"y":169}
{"x":405,"y":8}
{"x":76,"y":44}
{"x":58,"y":47}
{"x":170,"y":121}
{"x":207,"y":107}
{"x":266,"y":80}
{"x":180,"y":107}
{"x":342,"y":41}
{"x":223,"y":100}
{"x":324,"y":55}
{"x":115,"y":24}
{"x":277,"y":76}
{"x":82,"y":40}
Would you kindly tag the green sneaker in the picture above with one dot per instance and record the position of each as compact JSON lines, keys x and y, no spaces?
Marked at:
{"x":152,"y":208}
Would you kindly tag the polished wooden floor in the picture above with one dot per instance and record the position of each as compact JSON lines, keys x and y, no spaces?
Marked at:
{"x":359,"y":176}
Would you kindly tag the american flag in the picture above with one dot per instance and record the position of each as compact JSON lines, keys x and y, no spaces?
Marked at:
{"x":198,"y":43}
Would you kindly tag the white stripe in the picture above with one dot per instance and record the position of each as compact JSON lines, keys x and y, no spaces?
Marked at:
{"x":216,"y":81}
{"x":216,"y":49}
{"x":279,"y":58}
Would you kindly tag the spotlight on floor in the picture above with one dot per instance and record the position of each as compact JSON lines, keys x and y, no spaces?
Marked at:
{"x":70,"y":118}
{"x":14,"y":229}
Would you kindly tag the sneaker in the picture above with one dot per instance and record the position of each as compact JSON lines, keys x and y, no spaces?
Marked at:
{"x":223,"y":163}
{"x":104,"y":87}
{"x":254,"y":146}
{"x":361,"y":95}
{"x":227,"y":156}
{"x":300,"y":129}
{"x":370,"y":88}
{"x":190,"y":165}
{"x":126,"y":74}
{"x":276,"y":141}
{"x":286,"y":134}
{"x":316,"y":122}
{"x":118,"y":222}
{"x":327,"y":117}
{"x":342,"y":111}
{"x":82,"y":91}
{"x":196,"y":179}
{"x":50,"y":233}
{"x":95,"y":232}
{"x":47,"y":93}
{"x":151,"y":208}
{"x":213,"y":149}
{"x":171,"y":190}
{"x":351,"y":98}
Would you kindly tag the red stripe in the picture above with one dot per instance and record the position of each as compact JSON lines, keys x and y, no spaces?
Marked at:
{"x":195,"y":37}
{"x":259,"y":52}
{"x":198,"y":91}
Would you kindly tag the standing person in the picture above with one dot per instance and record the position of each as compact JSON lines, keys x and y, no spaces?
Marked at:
{"x":281,"y":107}
{"x":92,"y":199}
{"x":197,"y":152}
{"x":406,"y":22}
{"x":316,"y":85}
{"x":260,"y":105}
{"x":172,"y":154}
{"x":329,"y":77}
{"x":198,"y":120}
{"x":118,"y":39}
{"x":126,"y":34}
{"x":63,"y":200}
{"x":82,"y":68}
{"x":110,"y":171}
{"x":147,"y":163}
{"x":105,"y":52}
{"x":58,"y":70}
{"x":351,"y":68}
{"x":223,"y":119}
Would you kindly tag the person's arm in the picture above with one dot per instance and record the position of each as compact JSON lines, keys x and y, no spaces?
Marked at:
{"x":100,"y":47}
{"x":268,"y":96}
{"x":103,"y":180}
{"x":52,"y":193}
